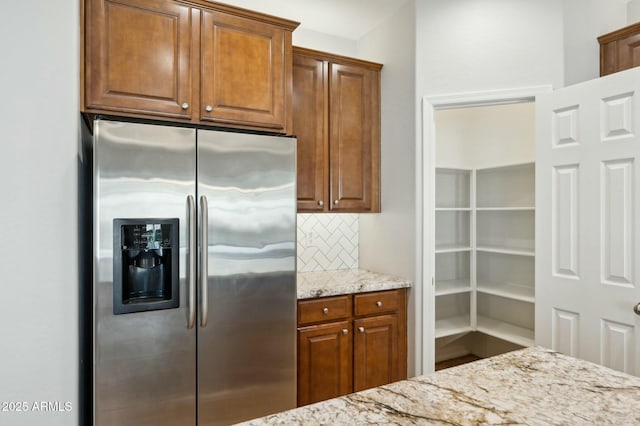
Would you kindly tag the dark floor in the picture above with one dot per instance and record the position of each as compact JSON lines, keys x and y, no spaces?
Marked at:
{"x":456,"y":361}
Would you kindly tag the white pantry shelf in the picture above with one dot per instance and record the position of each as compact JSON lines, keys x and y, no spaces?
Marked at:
{"x":508,"y":290}
{"x":453,"y":209}
{"x":505,"y":331}
{"x":506,"y":209}
{"x":506,"y":250}
{"x":445,"y":287}
{"x":453,"y":325}
{"x":451,"y":249}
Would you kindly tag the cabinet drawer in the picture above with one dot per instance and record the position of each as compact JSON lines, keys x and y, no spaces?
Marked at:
{"x":377,"y":302}
{"x":325,"y":309}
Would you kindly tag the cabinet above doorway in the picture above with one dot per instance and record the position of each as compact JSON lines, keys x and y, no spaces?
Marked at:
{"x":620,"y":49}
{"x":195,"y":61}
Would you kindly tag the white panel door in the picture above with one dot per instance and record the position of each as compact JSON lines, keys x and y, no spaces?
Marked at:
{"x":588,"y":221}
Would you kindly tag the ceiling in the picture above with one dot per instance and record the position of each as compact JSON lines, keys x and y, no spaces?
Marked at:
{"x":349,"y":19}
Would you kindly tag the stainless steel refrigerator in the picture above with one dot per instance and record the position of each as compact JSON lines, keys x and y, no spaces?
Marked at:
{"x":194,"y":289}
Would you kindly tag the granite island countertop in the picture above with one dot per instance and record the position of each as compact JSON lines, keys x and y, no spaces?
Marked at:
{"x":533,"y":386}
{"x":334,"y":283}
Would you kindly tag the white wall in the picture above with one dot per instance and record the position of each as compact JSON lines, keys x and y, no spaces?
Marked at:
{"x":470,"y":45}
{"x":38,"y":173}
{"x":305,"y":12}
{"x":388,"y":239}
{"x":584,"y":21}
{"x":633,"y":11}
{"x":486,"y":136}
{"x":325,"y":42}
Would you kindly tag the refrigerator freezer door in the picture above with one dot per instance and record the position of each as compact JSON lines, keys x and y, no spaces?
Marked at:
{"x":144,"y":361}
{"x":246,"y":350}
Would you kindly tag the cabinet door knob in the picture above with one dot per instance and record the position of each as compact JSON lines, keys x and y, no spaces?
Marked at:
{"x":345,"y":331}
{"x":185,"y":106}
{"x":636,"y":309}
{"x":208,"y":108}
{"x":361,"y":329}
{"x":336,"y":202}
{"x":325,"y":311}
{"x":378,"y":303}
{"x":321,"y":203}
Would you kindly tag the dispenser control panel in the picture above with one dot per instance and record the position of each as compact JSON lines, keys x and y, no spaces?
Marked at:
{"x":145,"y":265}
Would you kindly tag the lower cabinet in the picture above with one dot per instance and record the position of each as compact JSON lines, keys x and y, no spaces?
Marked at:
{"x":324,"y":362}
{"x":350,"y":343}
{"x":375,"y":354}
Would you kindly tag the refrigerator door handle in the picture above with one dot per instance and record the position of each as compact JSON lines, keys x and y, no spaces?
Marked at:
{"x":192,"y":256}
{"x":204,"y":251}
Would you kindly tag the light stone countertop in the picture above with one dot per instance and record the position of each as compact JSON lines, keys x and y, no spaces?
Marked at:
{"x":533,"y":386}
{"x":333,"y":283}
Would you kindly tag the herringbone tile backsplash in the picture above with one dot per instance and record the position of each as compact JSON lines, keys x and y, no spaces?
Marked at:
{"x":327,"y":242}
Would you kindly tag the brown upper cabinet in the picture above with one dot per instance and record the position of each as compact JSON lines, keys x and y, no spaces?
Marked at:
{"x":336,"y":118}
{"x":189,"y":61}
{"x":620,"y":49}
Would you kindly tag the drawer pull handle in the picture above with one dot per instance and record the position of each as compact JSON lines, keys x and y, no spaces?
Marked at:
{"x":345,"y":331}
{"x":378,"y":303}
{"x":325,"y":311}
{"x":361,"y":329}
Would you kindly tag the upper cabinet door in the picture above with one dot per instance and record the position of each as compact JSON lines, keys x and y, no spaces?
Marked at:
{"x":354,"y":126}
{"x":336,"y":118}
{"x":310,"y":118}
{"x":137,"y":57}
{"x":245,"y":64}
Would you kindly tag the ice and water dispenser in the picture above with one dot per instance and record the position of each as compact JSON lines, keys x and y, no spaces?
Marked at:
{"x":145,"y":265}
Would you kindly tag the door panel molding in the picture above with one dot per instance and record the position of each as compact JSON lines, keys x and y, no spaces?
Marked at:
{"x":617,"y":222}
{"x":617,"y":347}
{"x":565,"y":220}
{"x":565,"y":327}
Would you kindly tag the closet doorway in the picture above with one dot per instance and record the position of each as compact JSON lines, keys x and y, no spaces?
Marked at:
{"x":478,"y":229}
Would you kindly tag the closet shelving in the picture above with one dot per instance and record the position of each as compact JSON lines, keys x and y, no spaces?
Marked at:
{"x":484,"y":252}
{"x":453,"y":251}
